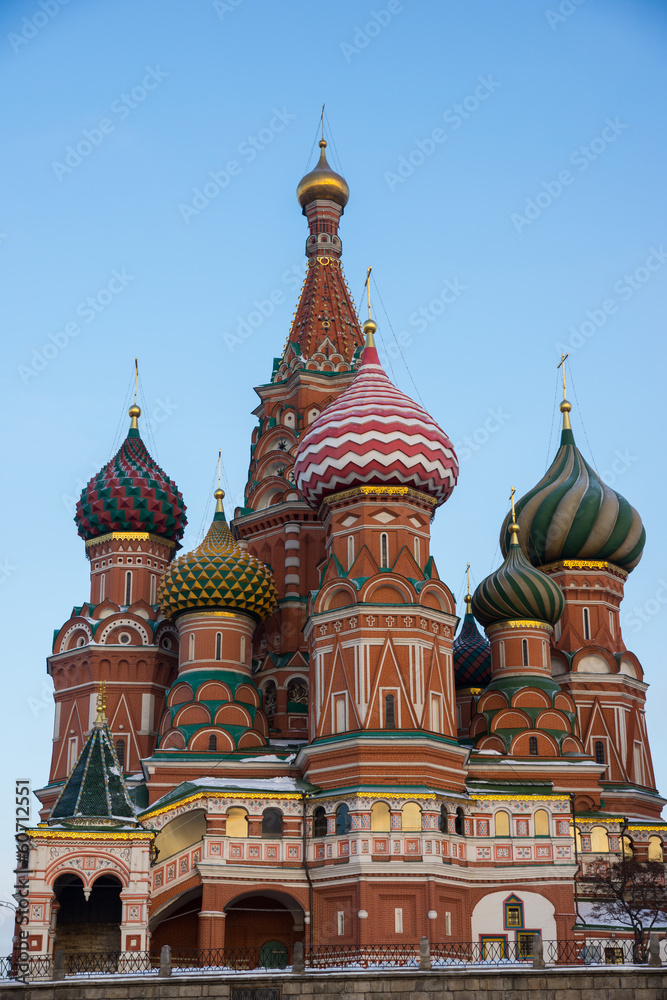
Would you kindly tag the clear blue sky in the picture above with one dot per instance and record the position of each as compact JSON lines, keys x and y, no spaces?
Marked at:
{"x":534,"y":199}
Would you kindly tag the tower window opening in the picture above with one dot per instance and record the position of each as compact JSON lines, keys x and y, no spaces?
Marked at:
{"x":442,"y":820}
{"x":417,"y":551}
{"x":611,"y":624}
{"x":384,"y":550}
{"x":319,"y":822}
{"x":524,"y":652}
{"x":459,"y":822}
{"x":389,"y":712}
{"x":350,"y":551}
{"x":103,"y":580}
{"x":213,"y":742}
{"x":242,"y":650}
{"x":532,"y":746}
{"x":120,"y":753}
{"x":191,"y":646}
{"x":587,"y":623}
{"x":501,"y":653}
{"x":343,"y":819}
{"x":600,"y":756}
{"x":153,"y":597}
{"x":128,"y":588}
{"x":218,"y":645}
{"x":272,"y":823}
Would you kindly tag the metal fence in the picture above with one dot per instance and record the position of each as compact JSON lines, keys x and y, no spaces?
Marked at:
{"x":492,"y":952}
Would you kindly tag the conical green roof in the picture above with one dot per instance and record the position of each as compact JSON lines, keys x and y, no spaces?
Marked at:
{"x":95,"y":788}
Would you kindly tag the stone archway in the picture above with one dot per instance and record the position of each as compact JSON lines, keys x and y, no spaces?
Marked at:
{"x":269,"y":920}
{"x":88,"y":920}
{"x":177,"y":923}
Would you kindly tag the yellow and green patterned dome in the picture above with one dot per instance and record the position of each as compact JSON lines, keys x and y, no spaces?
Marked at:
{"x":218,"y":574}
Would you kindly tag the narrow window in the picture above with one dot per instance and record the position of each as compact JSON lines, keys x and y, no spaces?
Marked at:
{"x":153,"y":596}
{"x":524,"y":652}
{"x":502,"y":824}
{"x":350,"y":551}
{"x":611,"y":623}
{"x":319,"y":822}
{"x":532,"y":746}
{"x":442,"y":820}
{"x":384,"y":550}
{"x":191,"y":646}
{"x":417,"y":552}
{"x":557,"y":631}
{"x":213,"y":742}
{"x":587,"y":624}
{"x":599,"y":752}
{"x":103,"y":580}
{"x":218,"y":645}
{"x":459,"y":822}
{"x":398,"y":920}
{"x":541,"y":823}
{"x":128,"y":588}
{"x":120,"y":753}
{"x":72,"y":748}
{"x":242,"y":650}
{"x":501,"y":650}
{"x":389,"y":712}
{"x":272,"y":823}
{"x":343,"y":820}
{"x":435,"y":714}
{"x":340,"y":714}
{"x":448,"y":923}
{"x":341,"y":923}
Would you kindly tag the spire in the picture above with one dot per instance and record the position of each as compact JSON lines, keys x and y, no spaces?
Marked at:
{"x":219,"y":494}
{"x":95,"y":793}
{"x":134,"y":411}
{"x":566,"y":405}
{"x":468,"y":597}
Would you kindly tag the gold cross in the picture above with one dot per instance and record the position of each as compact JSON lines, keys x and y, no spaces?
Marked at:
{"x":367,"y":284}
{"x":512,"y":492}
{"x":561,"y":365}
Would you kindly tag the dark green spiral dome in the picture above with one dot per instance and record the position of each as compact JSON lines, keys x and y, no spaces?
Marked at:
{"x":517,"y":591}
{"x":572,"y":514}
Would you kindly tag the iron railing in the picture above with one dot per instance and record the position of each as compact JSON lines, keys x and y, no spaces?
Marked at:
{"x":276,"y":958}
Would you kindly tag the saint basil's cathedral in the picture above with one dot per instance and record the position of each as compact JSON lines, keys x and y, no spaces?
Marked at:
{"x":280,"y":737}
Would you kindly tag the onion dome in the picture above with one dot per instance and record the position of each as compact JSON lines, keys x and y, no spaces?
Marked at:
{"x":374,"y":435}
{"x":572,"y":514}
{"x":472,"y":653}
{"x":218,"y":574}
{"x":517,"y":590}
{"x":131,"y":493}
{"x":323,"y":182}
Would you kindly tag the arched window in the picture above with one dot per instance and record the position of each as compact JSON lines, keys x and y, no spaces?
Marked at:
{"x":389,"y":712}
{"x":533,"y":748}
{"x":541,"y":823}
{"x":411,"y":816}
{"x":319,"y":822}
{"x":384,"y":550}
{"x":380,"y":817}
{"x":599,"y":840}
{"x":350,"y":551}
{"x":103,"y":579}
{"x":120,"y":753}
{"x":191,"y":646}
{"x":417,"y":551}
{"x":237,"y":822}
{"x":598,"y":748}
{"x":153,"y":596}
{"x":655,"y":852}
{"x":297,"y":692}
{"x":627,"y":847}
{"x":270,"y":699}
{"x":343,"y":820}
{"x":213,"y":742}
{"x":218,"y":645}
{"x":272,"y":823}
{"x":442,"y":820}
{"x":459,"y":822}
{"x":502,"y":823}
{"x":128,"y":587}
{"x":587,"y":623}
{"x":524,"y":652}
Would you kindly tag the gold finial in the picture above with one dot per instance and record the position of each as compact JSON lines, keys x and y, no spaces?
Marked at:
{"x":468,"y":598}
{"x":219,"y":493}
{"x":566,"y":405}
{"x":101,"y":719}
{"x":369,"y":326}
{"x":514,"y":527}
{"x":134,"y":411}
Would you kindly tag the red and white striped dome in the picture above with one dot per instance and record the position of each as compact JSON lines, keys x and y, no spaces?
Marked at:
{"x":374,"y":435}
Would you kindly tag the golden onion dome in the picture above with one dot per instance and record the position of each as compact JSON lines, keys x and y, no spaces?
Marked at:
{"x":323,"y":182}
{"x":218,"y":574}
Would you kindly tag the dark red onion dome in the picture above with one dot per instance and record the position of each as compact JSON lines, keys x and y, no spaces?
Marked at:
{"x":131,"y":493}
{"x":374,"y":435}
{"x":472,"y":653}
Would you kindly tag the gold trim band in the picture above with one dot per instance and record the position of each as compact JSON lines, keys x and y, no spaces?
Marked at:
{"x":404,"y":491}
{"x":130,"y":536}
{"x":519,"y":623}
{"x":231,"y":794}
{"x":89,"y":835}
